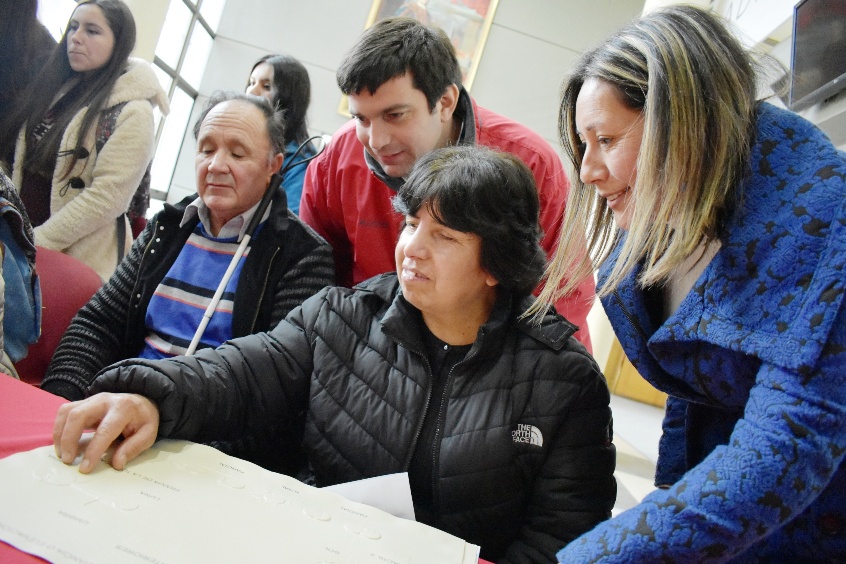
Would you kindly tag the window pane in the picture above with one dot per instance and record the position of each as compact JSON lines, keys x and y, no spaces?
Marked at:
{"x":197,"y":56}
{"x":171,"y":140}
{"x":156,"y":206}
{"x":211,"y":11}
{"x":173,"y":34}
{"x":157,"y":118}
{"x":165,"y":81}
{"x":164,"y":78}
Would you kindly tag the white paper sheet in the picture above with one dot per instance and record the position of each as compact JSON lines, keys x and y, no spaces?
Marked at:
{"x":182,"y":502}
{"x":391,"y":493}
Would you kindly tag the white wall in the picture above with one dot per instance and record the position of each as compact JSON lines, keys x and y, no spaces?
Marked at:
{"x":531,"y":45}
{"x":649,"y":5}
{"x":149,"y":16}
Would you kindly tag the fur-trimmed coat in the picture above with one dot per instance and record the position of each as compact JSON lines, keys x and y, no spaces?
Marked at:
{"x":83,"y":219}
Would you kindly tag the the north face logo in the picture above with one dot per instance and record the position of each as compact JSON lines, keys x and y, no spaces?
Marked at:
{"x":527,"y":434}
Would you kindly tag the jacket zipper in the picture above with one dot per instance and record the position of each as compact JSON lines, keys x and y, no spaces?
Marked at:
{"x":407,"y":464}
{"x":436,"y":505}
{"x":436,"y":441}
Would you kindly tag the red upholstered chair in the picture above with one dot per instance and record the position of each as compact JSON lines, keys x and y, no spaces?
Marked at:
{"x":66,"y":285}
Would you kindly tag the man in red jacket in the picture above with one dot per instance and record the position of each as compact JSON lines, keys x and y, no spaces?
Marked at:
{"x":405,"y":95}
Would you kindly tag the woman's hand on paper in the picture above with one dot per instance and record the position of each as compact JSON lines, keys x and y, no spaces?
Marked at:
{"x":130,"y":417}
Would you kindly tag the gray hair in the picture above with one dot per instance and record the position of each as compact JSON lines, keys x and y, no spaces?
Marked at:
{"x":274,"y":120}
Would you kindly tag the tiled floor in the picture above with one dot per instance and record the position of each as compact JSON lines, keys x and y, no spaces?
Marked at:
{"x":637,"y":428}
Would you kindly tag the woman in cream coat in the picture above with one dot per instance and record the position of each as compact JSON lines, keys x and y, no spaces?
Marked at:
{"x":106,"y":146}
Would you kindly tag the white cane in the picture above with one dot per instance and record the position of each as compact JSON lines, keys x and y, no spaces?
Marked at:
{"x":275,"y":181}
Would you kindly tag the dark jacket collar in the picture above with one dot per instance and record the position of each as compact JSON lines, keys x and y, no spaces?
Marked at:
{"x":278,"y":215}
{"x":399,"y":319}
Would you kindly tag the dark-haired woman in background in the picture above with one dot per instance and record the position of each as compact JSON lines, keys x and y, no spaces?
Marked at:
{"x":284,"y":81}
{"x":84,"y":136}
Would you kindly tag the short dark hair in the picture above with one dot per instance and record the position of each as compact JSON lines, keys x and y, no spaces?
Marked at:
{"x":397,"y":46}
{"x":273,"y":118}
{"x":492,"y":194}
{"x":292,"y":88}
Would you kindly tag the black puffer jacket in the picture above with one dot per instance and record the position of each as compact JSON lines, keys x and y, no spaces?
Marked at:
{"x":523,"y":456}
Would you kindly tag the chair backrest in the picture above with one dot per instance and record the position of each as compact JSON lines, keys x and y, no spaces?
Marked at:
{"x":66,"y":285}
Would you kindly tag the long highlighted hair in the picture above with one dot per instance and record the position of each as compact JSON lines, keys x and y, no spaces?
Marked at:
{"x":695,"y":87}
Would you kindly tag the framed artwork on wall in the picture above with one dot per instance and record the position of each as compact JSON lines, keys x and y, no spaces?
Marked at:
{"x":466,"y":22}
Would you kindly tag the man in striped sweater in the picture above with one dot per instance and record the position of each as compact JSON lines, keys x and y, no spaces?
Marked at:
{"x":153,"y":303}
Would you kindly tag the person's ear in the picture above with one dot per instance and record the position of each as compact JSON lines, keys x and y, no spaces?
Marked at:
{"x":449,"y":102}
{"x":276,"y":163}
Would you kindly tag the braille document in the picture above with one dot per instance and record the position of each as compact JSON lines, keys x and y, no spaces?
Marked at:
{"x":181,"y":502}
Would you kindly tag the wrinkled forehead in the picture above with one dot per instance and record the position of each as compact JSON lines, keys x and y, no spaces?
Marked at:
{"x":236,"y":120}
